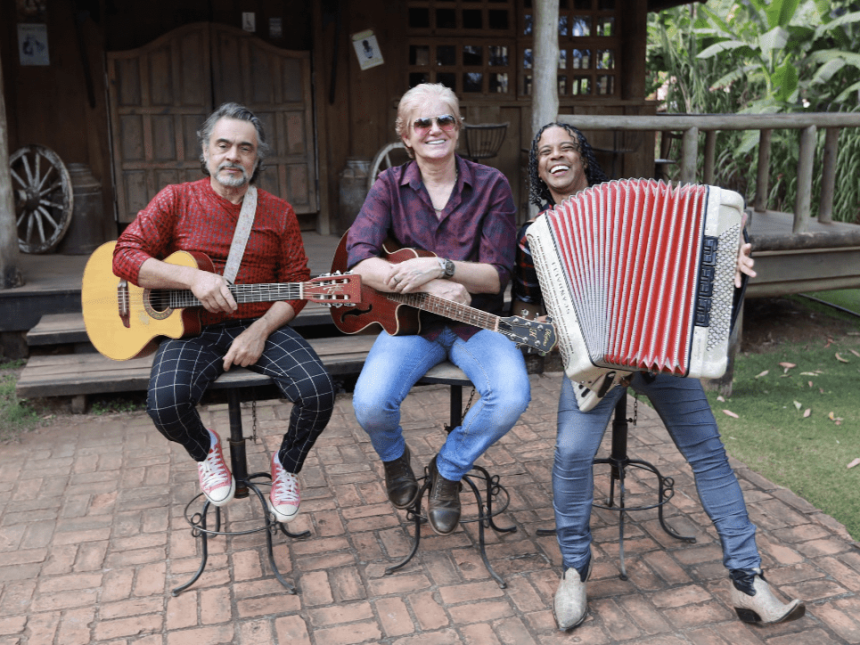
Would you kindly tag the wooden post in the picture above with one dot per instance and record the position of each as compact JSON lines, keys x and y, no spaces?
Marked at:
{"x":806,"y":158}
{"x":710,"y":146}
{"x":689,"y":155}
{"x":10,"y":274}
{"x":545,"y":81}
{"x":828,"y":175}
{"x":762,"y":174}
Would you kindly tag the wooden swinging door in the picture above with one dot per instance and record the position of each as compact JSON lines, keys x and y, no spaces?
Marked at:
{"x":161,"y":93}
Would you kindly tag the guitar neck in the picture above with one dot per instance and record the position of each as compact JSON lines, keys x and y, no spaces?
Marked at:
{"x":243,"y":294}
{"x":448,"y":309}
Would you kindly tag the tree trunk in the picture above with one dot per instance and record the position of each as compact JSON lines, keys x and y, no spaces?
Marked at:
{"x":545,"y":77}
{"x":10,"y":275}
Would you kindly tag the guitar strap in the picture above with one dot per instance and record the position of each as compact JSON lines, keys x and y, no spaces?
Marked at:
{"x":240,"y":236}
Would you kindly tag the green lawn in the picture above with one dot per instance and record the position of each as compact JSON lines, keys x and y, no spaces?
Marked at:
{"x":807,"y":452}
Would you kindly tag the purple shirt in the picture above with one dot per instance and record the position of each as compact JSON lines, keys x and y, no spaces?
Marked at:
{"x":477,"y":225}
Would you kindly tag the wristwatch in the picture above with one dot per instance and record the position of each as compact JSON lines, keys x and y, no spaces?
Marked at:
{"x":447,"y":267}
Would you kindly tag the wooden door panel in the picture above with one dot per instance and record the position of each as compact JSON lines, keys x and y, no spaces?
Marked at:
{"x":275,"y":84}
{"x":161,"y":93}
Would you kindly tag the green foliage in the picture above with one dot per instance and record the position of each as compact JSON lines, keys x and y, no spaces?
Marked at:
{"x":15,"y":415}
{"x":807,"y":454}
{"x":760,"y":57}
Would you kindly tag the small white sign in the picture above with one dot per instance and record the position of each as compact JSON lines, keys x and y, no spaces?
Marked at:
{"x":33,"y":44}
{"x":249,"y":21}
{"x":367,"y":49}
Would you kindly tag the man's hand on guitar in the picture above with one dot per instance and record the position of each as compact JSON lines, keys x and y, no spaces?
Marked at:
{"x":411,"y":275}
{"x":449,"y":290}
{"x":212,"y":292}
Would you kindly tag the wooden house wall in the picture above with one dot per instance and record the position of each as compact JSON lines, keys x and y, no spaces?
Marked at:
{"x":354,"y":110}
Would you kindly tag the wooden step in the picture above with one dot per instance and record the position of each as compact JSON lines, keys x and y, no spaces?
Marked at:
{"x":82,"y":374}
{"x":62,"y":329}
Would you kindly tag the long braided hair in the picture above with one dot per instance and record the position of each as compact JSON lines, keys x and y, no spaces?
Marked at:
{"x":538,"y":190}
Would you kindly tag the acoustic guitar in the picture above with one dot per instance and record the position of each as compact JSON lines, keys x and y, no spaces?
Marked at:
{"x":123,"y":321}
{"x":399,"y":313}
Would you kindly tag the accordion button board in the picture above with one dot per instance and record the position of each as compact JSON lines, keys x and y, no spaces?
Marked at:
{"x":638,"y":275}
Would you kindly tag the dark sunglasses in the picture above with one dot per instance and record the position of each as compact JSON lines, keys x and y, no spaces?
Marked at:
{"x":446,"y":122}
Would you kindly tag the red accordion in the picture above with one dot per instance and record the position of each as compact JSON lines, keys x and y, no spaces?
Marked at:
{"x":638,"y":275}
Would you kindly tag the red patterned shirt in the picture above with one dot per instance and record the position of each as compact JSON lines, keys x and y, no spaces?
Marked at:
{"x":193,"y":217}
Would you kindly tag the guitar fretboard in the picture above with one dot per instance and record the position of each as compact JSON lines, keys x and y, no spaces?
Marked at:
{"x":242,"y":293}
{"x":448,"y":309}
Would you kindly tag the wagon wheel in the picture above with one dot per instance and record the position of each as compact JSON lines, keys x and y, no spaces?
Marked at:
{"x":43,"y":198}
{"x":393,"y":151}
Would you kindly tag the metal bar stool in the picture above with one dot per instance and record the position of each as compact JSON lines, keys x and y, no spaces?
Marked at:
{"x":619,"y":461}
{"x":240,"y":384}
{"x":446,"y":373}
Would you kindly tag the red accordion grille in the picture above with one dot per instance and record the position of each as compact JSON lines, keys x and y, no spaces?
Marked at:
{"x":630,"y":250}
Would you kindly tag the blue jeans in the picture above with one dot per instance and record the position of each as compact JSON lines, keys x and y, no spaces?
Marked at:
{"x":684,"y":409}
{"x":395,"y":363}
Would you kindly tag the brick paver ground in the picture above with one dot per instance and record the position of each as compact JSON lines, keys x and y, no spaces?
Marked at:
{"x":92,"y":539}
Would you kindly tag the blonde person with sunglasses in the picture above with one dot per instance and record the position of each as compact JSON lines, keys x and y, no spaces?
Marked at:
{"x":464,"y":213}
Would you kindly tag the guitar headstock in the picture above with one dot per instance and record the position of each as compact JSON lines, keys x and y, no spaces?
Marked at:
{"x":536,"y":335}
{"x":341,"y":289}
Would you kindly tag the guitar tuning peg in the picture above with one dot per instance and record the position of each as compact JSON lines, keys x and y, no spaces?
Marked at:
{"x":524,"y":313}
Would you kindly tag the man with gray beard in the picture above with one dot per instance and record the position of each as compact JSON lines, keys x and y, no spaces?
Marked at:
{"x":202,"y":217}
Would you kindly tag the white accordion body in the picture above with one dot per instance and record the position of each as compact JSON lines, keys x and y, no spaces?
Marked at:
{"x":638,"y":275}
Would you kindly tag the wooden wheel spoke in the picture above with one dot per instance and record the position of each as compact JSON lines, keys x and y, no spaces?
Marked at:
{"x":56,"y":186}
{"x":45,"y":202}
{"x":46,"y":175}
{"x":39,"y":223}
{"x":18,"y":178}
{"x":26,"y":163}
{"x":24,"y":214}
{"x":48,"y":216}
{"x":30,"y":222}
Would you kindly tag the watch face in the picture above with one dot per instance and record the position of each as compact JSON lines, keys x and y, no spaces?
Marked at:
{"x":449,"y":268}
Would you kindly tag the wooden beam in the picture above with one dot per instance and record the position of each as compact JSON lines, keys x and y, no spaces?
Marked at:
{"x":545,"y":83}
{"x":689,"y":155}
{"x":763,"y":172}
{"x":806,"y":159}
{"x":828,"y":175}
{"x":10,"y":274}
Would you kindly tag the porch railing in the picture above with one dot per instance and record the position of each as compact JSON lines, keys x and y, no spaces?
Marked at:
{"x":710,"y":124}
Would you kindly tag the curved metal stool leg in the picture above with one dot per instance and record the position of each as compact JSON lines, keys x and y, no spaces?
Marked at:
{"x":482,"y":519}
{"x":198,"y":522}
{"x":413,"y":514}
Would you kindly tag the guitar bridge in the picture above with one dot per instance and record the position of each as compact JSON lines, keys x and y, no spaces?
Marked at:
{"x":122,"y":302}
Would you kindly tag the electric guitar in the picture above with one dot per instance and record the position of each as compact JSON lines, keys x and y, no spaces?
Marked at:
{"x":123,"y":320}
{"x":398,"y":313}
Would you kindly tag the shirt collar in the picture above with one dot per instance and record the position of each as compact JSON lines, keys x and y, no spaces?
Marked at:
{"x":412,"y":175}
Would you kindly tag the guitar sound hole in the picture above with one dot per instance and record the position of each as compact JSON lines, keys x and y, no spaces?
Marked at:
{"x":159,"y":300}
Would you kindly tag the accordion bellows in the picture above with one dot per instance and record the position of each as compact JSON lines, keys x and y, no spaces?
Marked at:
{"x":638,"y":275}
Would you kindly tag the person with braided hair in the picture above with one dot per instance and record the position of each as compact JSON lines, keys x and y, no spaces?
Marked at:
{"x":561,"y":164}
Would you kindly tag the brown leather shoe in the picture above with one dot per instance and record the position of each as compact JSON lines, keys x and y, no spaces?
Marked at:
{"x":443,"y":504}
{"x":400,"y":481}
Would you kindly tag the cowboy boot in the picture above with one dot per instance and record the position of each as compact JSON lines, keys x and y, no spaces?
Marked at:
{"x":570,"y":598}
{"x":754,"y":602}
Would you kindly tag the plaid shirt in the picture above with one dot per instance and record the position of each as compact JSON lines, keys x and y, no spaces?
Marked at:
{"x":193,"y":217}
{"x":477,"y":225}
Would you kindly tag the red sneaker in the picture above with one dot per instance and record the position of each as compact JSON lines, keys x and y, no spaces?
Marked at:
{"x":284,"y":499}
{"x":216,"y":482}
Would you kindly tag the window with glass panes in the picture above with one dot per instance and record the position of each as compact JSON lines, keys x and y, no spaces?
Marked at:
{"x":588,"y":46}
{"x":468,"y":46}
{"x":486,"y":46}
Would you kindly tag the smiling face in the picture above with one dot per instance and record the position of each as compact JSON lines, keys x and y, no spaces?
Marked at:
{"x":231,"y":153}
{"x":559,"y":163}
{"x":433,"y":143}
